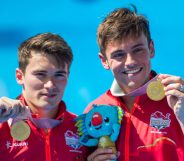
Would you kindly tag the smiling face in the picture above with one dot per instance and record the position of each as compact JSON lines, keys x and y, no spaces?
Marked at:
{"x":43,"y":81}
{"x":129,"y":61}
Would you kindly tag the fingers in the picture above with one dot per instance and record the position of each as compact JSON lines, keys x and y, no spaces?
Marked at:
{"x":9,"y":108}
{"x":175,"y":93}
{"x":11,"y":102}
{"x":172,"y":84}
{"x":169,"y":79}
{"x":102,"y":155}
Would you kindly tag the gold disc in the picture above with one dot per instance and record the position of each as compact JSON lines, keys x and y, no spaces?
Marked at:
{"x":20,"y":131}
{"x":105,"y":142}
{"x":155,"y":91}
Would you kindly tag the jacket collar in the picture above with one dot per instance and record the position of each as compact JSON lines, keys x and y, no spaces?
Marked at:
{"x":60,"y":113}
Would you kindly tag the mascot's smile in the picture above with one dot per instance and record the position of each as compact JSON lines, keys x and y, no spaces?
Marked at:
{"x":97,"y":128}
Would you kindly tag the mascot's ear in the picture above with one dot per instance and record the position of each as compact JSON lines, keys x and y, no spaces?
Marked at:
{"x":80,"y":124}
{"x":120,"y":114}
{"x":94,"y":105}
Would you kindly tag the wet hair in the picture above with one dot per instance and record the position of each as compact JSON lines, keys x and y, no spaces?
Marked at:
{"x":121,"y":24}
{"x":45,"y":44}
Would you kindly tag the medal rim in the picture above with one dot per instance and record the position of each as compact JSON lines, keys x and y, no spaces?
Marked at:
{"x":26,"y":133}
{"x":149,"y":89}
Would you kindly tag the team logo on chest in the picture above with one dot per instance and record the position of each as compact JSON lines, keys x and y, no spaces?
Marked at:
{"x":159,"y":121}
{"x":72,"y":140}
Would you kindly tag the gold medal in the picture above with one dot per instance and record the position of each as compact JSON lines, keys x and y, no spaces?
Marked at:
{"x":20,"y":131}
{"x":105,"y":142}
{"x":155,"y":91}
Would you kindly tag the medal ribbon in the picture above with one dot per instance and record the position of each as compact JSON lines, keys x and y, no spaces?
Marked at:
{"x":43,"y":123}
{"x":117,"y":91}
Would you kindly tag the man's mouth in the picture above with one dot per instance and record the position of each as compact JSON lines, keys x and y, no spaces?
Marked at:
{"x":132,"y":71}
{"x":48,"y":95}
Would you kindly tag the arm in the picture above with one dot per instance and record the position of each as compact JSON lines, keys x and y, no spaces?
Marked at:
{"x":87,"y":141}
{"x":179,"y":112}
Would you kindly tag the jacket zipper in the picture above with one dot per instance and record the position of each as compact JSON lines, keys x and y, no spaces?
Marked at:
{"x":127,"y":134}
{"x":47,"y":145}
{"x":127,"y":137}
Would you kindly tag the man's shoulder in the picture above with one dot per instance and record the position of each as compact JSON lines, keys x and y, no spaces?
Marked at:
{"x":4,"y":125}
{"x":69,"y":115}
{"x":105,"y":98}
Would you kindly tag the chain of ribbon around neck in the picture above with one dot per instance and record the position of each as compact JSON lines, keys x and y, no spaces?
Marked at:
{"x":43,"y":123}
{"x":117,"y":91}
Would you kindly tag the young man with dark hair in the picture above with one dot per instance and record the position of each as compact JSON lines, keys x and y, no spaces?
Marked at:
{"x":151,"y":130}
{"x":42,"y":129}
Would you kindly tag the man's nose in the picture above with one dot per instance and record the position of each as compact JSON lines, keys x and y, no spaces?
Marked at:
{"x":129,"y":60}
{"x":49,"y":83}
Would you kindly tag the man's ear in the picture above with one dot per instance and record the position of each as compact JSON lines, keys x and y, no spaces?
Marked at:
{"x":19,"y":76}
{"x":152,"y":49}
{"x":104,"y":61}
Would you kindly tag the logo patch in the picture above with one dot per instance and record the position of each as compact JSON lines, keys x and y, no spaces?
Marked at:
{"x":72,"y":140}
{"x":159,"y":121}
{"x":15,"y":144}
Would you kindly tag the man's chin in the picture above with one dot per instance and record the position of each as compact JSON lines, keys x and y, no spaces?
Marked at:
{"x":47,"y":106}
{"x":133,"y":85}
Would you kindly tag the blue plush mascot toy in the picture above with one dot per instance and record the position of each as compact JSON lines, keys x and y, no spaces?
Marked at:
{"x":100,"y":126}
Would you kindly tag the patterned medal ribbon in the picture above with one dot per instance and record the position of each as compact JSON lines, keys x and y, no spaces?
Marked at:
{"x":20,"y":130}
{"x":153,"y":88}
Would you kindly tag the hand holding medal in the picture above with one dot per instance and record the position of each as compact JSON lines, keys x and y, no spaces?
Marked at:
{"x":15,"y":113}
{"x":174,"y":88}
{"x":19,"y":129}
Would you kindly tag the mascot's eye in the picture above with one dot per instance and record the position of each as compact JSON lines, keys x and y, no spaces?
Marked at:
{"x":106,"y":119}
{"x":89,"y":124}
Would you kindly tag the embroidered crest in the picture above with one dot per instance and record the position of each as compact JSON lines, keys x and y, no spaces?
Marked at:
{"x":159,"y":121}
{"x":72,"y":140}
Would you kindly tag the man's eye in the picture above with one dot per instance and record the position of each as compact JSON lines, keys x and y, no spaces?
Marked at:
{"x":60,"y":75}
{"x":138,"y":50}
{"x":118,"y":55}
{"x":40,"y":74}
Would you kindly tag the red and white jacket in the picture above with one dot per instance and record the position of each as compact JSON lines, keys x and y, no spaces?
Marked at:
{"x":60,"y":143}
{"x":150,"y":132}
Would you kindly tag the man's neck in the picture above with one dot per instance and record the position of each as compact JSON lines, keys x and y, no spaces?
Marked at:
{"x":45,"y":113}
{"x":41,"y":112}
{"x":129,"y":102}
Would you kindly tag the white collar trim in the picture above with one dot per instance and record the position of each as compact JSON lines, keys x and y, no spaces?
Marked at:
{"x":115,"y":89}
